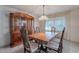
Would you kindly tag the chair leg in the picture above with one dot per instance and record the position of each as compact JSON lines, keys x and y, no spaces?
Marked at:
{"x":46,"y":50}
{"x":60,"y":50}
{"x":39,"y":50}
{"x":24,"y":50}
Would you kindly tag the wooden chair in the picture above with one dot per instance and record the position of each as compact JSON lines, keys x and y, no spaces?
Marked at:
{"x":37,"y":30}
{"x":29,"y":46}
{"x":56,"y":44}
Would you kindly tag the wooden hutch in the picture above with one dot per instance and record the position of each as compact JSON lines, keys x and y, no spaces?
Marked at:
{"x":16,"y":20}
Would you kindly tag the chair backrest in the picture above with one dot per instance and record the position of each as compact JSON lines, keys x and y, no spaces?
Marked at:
{"x":62,"y":33}
{"x":61,"y":41}
{"x":53,"y":29}
{"x":26,"y":43}
{"x":37,"y":30}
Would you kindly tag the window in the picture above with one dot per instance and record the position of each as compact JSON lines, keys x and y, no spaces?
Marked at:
{"x":48,"y":24}
{"x":58,"y":23}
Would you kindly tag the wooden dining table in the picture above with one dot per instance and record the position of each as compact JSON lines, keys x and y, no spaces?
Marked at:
{"x":43,"y":37}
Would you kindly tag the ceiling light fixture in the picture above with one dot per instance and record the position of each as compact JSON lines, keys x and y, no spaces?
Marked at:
{"x":43,"y":17}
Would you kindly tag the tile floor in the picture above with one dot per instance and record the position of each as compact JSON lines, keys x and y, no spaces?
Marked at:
{"x":69,"y":47}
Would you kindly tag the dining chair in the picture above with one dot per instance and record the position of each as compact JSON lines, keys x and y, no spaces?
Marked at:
{"x":37,"y":30}
{"x":29,"y":46}
{"x":53,"y":29}
{"x":56,"y":44}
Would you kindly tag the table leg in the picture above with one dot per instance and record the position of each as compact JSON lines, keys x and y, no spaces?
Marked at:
{"x":43,"y":48}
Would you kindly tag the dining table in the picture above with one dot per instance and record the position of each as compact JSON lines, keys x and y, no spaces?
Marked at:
{"x":43,"y":38}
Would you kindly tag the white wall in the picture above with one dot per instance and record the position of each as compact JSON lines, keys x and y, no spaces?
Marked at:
{"x":4,"y":25}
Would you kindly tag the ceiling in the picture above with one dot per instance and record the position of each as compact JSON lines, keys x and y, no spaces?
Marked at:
{"x":37,"y":10}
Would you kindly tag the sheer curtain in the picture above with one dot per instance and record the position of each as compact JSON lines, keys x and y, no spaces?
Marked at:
{"x":48,"y":24}
{"x":58,"y":23}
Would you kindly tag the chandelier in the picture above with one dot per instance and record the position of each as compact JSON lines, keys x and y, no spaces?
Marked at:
{"x":43,"y":17}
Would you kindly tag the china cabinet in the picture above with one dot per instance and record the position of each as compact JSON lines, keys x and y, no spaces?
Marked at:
{"x":16,"y":22}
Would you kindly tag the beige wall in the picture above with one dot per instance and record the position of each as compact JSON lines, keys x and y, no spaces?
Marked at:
{"x":75,"y":25}
{"x":42,"y":25}
{"x":68,"y":27}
